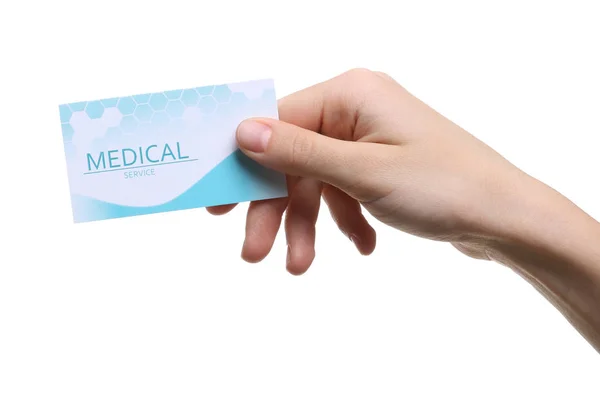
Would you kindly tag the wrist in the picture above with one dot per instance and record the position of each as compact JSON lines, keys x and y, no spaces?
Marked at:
{"x":554,"y":245}
{"x":542,"y":221}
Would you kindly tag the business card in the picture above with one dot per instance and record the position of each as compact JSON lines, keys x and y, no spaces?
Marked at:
{"x":165,"y":151}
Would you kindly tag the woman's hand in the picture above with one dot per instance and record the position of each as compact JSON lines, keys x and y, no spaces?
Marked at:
{"x":361,"y":138}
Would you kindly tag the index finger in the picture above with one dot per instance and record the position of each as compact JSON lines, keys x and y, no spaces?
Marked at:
{"x":330,"y":107}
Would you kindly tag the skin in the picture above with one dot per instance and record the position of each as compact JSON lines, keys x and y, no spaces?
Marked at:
{"x":360,"y":141}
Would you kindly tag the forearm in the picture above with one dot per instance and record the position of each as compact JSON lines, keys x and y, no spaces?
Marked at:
{"x":556,"y":247}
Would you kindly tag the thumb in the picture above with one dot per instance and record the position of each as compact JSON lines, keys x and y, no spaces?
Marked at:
{"x":299,"y":152}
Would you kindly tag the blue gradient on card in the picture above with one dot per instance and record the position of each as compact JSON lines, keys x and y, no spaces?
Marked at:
{"x":234,"y":180}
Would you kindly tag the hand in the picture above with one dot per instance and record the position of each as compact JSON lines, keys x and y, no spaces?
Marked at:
{"x":361,"y":138}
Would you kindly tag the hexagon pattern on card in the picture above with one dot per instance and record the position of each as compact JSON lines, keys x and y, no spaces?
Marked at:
{"x":128,"y":115}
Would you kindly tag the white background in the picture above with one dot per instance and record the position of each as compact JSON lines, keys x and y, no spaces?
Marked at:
{"x":161,"y":308}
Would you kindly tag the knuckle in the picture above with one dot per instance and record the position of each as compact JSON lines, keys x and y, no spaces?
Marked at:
{"x":359,"y":76}
{"x":359,"y":73}
{"x":385,"y":76}
{"x":362,"y":79}
{"x":301,"y":150}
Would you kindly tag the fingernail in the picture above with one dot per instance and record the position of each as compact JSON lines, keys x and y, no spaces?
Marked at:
{"x":288,"y":257}
{"x":356,"y":241}
{"x":253,"y":136}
